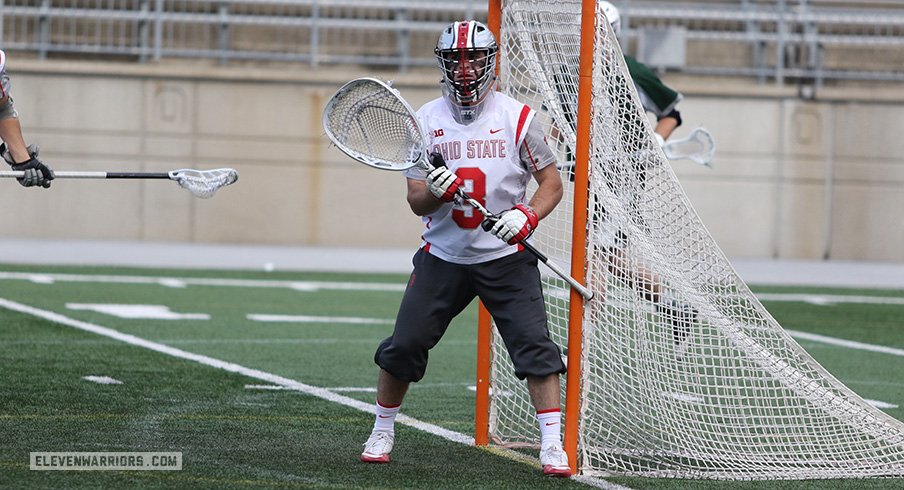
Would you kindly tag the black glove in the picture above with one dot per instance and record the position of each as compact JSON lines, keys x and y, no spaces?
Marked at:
{"x":36,"y":173}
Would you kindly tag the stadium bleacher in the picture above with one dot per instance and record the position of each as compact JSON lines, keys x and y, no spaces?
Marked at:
{"x":769,"y":40}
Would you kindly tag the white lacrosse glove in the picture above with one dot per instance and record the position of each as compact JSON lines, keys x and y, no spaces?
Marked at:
{"x":442,"y":182}
{"x":659,"y":139}
{"x":516,"y":224}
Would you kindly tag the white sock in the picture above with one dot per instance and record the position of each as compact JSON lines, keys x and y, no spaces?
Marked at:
{"x":550,"y":427}
{"x":385,"y":419}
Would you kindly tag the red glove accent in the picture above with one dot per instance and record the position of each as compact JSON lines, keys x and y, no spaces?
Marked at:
{"x":529,"y":227}
{"x":516,"y":224}
{"x":443,"y":183}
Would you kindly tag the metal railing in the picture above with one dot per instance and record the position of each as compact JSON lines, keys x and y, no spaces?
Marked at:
{"x":812,"y":40}
{"x":779,"y":40}
{"x":374,"y":32}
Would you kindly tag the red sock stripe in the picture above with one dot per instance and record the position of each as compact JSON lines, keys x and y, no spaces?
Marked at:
{"x":551,"y":410}
{"x":388,"y":406}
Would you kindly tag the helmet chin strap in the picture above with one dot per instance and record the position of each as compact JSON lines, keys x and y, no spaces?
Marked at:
{"x":466,"y":113}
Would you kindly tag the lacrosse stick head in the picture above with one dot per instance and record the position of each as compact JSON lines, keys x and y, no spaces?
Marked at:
{"x":699,"y":146}
{"x":369,"y":121}
{"x":204,"y":183}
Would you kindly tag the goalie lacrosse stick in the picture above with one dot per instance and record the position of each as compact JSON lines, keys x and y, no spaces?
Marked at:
{"x":698,"y":146}
{"x":201,"y":183}
{"x":370,"y":122}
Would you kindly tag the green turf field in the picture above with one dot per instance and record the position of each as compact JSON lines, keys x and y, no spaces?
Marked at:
{"x":205,"y":384}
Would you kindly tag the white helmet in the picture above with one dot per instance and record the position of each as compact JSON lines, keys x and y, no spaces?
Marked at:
{"x":612,"y":16}
{"x":466,"y":52}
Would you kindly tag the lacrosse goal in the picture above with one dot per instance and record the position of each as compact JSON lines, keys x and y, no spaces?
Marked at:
{"x":675,"y":369}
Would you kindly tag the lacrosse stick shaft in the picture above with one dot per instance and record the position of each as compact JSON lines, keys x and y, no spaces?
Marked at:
{"x":583,"y":291}
{"x":580,"y":288}
{"x":95,"y":175}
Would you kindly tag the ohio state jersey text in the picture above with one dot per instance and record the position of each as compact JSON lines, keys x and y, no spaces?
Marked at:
{"x":451,"y":150}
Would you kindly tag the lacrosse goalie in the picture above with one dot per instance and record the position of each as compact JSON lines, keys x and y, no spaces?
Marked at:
{"x":491,"y":142}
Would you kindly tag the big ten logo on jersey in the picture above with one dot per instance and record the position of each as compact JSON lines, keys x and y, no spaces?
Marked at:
{"x":437,"y":133}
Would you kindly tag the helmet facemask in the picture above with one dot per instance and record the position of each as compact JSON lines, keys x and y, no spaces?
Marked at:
{"x":466,"y":53}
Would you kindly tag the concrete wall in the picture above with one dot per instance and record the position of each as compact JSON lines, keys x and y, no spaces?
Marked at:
{"x":792,"y":179}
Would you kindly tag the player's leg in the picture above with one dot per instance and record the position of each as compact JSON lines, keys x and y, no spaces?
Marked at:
{"x":650,"y":286}
{"x":545,"y":396}
{"x":511,"y":290}
{"x":390,"y":393}
{"x":437,"y":291}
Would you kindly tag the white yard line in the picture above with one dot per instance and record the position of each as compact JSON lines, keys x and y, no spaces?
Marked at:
{"x":304,"y":286}
{"x":880,"y":404}
{"x":850,"y":344}
{"x":829,"y":299}
{"x":313,"y":286}
{"x":349,"y":389}
{"x":275,"y":379}
{"x":102,"y":380}
{"x":262,"y":317}
{"x":225,"y":341}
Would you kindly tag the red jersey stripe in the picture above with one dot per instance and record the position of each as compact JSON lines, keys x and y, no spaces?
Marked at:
{"x":525,"y":111}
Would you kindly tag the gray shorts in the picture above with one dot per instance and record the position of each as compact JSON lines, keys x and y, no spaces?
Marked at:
{"x":438,"y":291}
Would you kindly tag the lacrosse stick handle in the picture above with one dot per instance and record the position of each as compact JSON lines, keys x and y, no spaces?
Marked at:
{"x":491,"y":220}
{"x":94,"y":175}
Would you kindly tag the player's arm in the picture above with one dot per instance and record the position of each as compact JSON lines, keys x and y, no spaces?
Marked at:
{"x":13,"y":149}
{"x":549,"y":191}
{"x":538,"y":157}
{"x":421,"y":201}
{"x":439,"y":186}
{"x":518,"y":223}
{"x":11,"y":131}
{"x":666,"y":125}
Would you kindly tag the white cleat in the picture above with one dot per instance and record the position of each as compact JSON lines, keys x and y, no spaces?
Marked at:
{"x":378,"y":447}
{"x":554,"y":461}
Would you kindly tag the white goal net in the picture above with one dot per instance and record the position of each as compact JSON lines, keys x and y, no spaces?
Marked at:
{"x":684,"y":374}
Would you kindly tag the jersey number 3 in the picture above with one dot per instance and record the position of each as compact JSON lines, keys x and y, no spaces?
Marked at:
{"x":471,"y":218}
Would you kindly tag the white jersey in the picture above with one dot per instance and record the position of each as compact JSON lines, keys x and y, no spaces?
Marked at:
{"x":486,"y":155}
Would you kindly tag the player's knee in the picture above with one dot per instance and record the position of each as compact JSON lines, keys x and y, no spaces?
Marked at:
{"x":405,"y":361}
{"x":540,"y":359}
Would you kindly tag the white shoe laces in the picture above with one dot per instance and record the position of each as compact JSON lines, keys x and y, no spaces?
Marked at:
{"x":379,"y":443}
{"x":554,"y":456}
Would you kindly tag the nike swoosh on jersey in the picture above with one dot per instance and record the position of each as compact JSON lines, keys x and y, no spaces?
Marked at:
{"x":494,"y":131}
